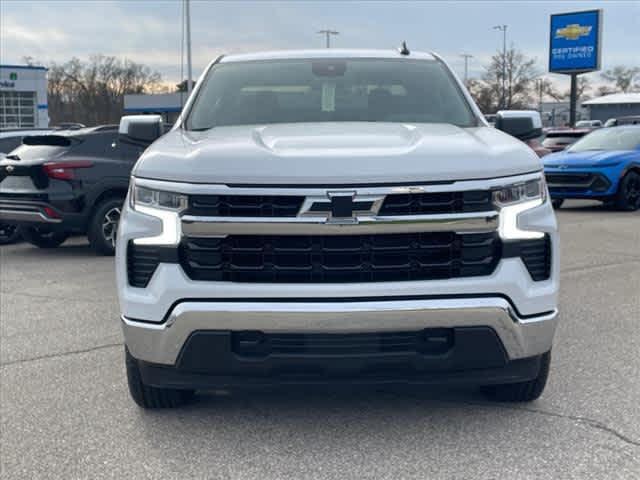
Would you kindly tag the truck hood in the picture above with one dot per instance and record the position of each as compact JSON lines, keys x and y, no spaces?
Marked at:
{"x":588,"y":158}
{"x":335,"y":153}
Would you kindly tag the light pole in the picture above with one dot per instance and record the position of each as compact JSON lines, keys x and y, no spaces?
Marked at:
{"x":188,"y":34}
{"x":503,"y":29}
{"x":328,"y":34}
{"x":466,"y":57}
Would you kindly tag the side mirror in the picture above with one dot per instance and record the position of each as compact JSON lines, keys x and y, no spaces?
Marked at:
{"x":522,"y":124}
{"x":140,"y":129}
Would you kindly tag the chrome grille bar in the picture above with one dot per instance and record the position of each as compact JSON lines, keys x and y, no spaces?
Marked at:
{"x":195,"y":226}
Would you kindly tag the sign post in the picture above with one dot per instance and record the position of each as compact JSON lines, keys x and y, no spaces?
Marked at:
{"x":575,"y":42}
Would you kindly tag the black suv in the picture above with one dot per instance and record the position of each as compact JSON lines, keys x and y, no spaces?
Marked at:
{"x":56,"y":185}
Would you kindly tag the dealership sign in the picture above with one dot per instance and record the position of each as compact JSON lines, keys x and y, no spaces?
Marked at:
{"x":574,"y":42}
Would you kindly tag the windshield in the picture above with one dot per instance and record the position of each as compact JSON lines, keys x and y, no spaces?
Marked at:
{"x":614,"y":138}
{"x":330,"y":90}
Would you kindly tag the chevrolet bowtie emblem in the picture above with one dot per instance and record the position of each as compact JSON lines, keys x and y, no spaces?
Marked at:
{"x":573,"y":31}
{"x":342,"y":206}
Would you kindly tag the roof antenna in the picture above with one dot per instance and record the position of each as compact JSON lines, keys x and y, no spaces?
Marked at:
{"x":403,"y":49}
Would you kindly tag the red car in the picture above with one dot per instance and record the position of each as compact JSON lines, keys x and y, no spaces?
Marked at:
{"x":538,"y":147}
{"x":558,"y":140}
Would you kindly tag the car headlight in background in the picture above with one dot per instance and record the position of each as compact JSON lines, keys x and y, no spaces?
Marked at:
{"x":514,"y":199}
{"x":160,"y":204}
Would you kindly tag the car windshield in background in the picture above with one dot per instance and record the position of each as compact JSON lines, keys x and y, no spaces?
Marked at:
{"x":609,"y":139}
{"x":331,"y":90}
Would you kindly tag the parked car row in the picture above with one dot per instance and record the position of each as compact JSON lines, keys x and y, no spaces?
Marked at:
{"x":72,"y":180}
{"x":59,"y":183}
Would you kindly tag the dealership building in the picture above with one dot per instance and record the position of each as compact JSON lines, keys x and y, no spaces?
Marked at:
{"x":612,"y":106}
{"x":169,"y":105}
{"x":23,"y":96}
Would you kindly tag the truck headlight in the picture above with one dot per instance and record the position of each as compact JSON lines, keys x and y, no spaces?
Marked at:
{"x":146,"y":197}
{"x":160,"y":204}
{"x":514,"y":199}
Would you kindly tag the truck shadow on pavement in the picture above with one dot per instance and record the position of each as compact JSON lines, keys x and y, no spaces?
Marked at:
{"x":323,"y":400}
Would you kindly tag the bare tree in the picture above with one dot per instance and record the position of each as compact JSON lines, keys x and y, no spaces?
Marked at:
{"x":483,"y":95}
{"x":519,"y":72}
{"x":93,"y":92}
{"x":622,"y":77}
{"x":182,"y":86}
{"x":604,"y":90}
{"x":583,"y":87}
{"x":544,"y":88}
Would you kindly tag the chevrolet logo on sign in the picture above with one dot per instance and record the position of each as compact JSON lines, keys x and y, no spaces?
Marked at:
{"x":573,"y":31}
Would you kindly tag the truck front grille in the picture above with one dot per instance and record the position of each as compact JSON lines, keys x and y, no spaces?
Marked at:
{"x":437,"y":202}
{"x":265,"y":206}
{"x":245,"y":205}
{"x":340,"y":258}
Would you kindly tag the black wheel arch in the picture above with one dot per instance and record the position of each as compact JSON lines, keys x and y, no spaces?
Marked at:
{"x":107,"y":193}
{"x":632,"y":167}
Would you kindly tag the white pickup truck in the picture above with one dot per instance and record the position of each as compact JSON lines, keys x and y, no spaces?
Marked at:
{"x":335,"y":216}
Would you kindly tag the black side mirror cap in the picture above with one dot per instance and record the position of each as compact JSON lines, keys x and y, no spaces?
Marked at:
{"x":521,"y":124}
{"x":140,"y":130}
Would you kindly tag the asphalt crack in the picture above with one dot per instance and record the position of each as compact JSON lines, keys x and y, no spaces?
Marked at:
{"x":61,"y":354}
{"x":576,"y":418}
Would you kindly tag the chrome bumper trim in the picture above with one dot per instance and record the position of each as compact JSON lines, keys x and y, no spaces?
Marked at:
{"x":161,"y":343}
{"x":26,"y":216}
{"x":195,"y":226}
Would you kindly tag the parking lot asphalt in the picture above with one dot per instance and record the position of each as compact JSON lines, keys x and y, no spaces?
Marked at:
{"x":65,"y":410}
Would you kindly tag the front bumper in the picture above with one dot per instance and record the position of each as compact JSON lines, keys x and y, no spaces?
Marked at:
{"x":521,"y":337}
{"x":583,"y":183}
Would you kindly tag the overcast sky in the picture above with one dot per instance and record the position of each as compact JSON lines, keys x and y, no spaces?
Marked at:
{"x":148,"y":31}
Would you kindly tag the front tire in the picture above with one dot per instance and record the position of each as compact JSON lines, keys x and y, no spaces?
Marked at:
{"x":42,"y":237}
{"x":521,"y":391}
{"x":628,"y":196}
{"x":9,"y":233}
{"x":152,"y":397}
{"x":103,"y":226}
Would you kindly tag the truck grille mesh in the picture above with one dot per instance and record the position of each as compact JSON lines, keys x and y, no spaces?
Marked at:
{"x":289,"y":206}
{"x":437,"y":202}
{"x":245,"y":205}
{"x":340,"y":258}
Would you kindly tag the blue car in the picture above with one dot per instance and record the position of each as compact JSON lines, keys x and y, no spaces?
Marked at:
{"x":603,"y":165}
